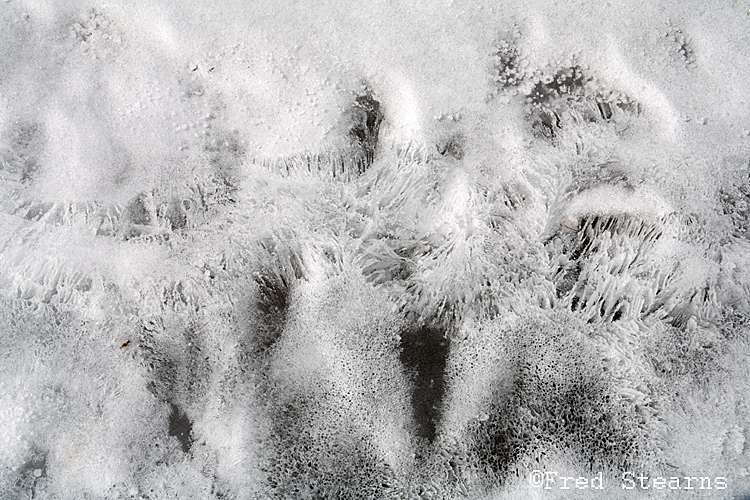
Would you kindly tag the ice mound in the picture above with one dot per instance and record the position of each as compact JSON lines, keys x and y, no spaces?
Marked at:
{"x":281,"y":250}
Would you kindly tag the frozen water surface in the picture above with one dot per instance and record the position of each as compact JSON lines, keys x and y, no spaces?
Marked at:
{"x":399,"y":250}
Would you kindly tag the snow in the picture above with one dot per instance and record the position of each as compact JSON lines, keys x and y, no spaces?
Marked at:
{"x":393,"y":250}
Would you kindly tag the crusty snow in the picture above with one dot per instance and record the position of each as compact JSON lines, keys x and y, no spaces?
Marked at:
{"x":390,"y":249}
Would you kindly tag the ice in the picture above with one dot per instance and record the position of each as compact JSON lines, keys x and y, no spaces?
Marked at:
{"x":403,"y":250}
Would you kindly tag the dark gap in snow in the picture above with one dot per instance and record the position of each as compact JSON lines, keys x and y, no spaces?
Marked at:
{"x":36,"y":465}
{"x":139,"y":217}
{"x":547,"y":123}
{"x":453,"y":146}
{"x":138,"y":211}
{"x":570,"y":97}
{"x":424,"y":352}
{"x":337,"y":164}
{"x":283,"y":266}
{"x":617,"y":315}
{"x":273,"y":302}
{"x":366,"y":117}
{"x":605,"y":110}
{"x":175,"y":215}
{"x":363,"y":120}
{"x":28,"y":480}
{"x":735,"y":203}
{"x":274,"y":297}
{"x":549,"y":99}
{"x":180,"y":427}
{"x":507,"y":72}
{"x":568,"y":81}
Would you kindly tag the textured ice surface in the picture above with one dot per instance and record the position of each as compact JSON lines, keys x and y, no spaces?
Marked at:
{"x":397,"y":250}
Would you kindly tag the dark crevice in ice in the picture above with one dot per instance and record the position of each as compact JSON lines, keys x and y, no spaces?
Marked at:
{"x":30,"y":478}
{"x":568,"y":81}
{"x":283,"y":267}
{"x":363,"y":120}
{"x":367,"y":118}
{"x":547,"y":124}
{"x":605,"y":110}
{"x":138,"y":211}
{"x":273,"y":302}
{"x":567,"y":96}
{"x":175,"y":215}
{"x":36,"y":466}
{"x":424,"y":352}
{"x":735,"y":203}
{"x":453,"y":146}
{"x":180,"y":427}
